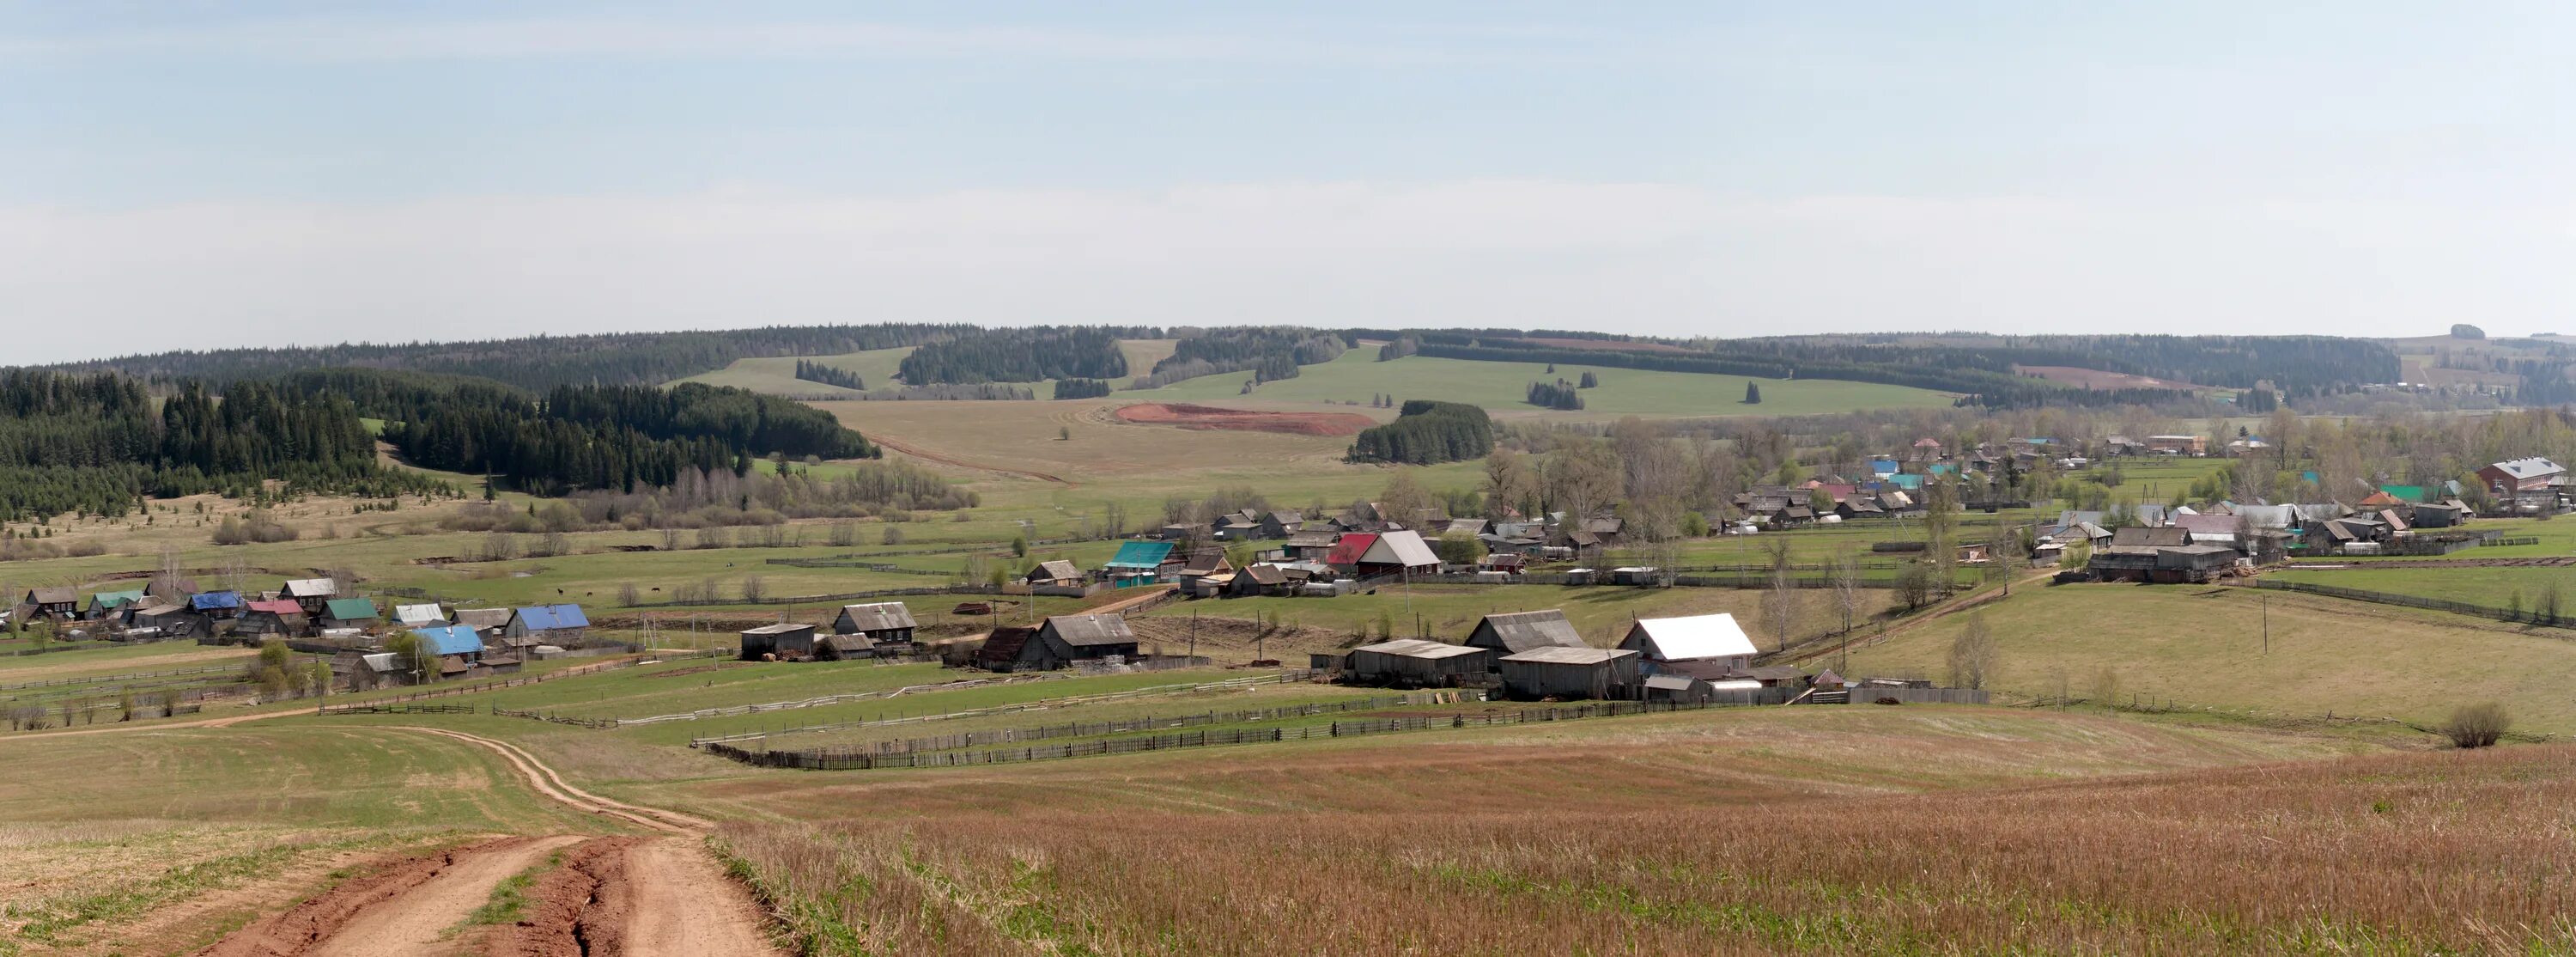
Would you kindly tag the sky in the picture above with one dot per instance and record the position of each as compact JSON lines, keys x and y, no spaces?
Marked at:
{"x":204,"y":175}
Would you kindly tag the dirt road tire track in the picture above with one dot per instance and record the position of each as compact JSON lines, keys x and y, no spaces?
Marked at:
{"x":298,"y":930}
{"x":553,"y":787}
{"x":918,"y":453}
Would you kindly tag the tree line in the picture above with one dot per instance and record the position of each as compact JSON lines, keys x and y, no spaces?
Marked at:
{"x":1426,"y":432}
{"x":1270,"y":353}
{"x":1559,"y":395}
{"x":811,"y":371}
{"x":619,"y":437}
{"x":1081,"y":388}
{"x":536,"y":363}
{"x":1026,"y":354}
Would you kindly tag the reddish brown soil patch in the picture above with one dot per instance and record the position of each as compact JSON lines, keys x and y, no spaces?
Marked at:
{"x":301,"y":928}
{"x":1244,"y":420}
{"x":580,"y":908}
{"x":2098,"y":379}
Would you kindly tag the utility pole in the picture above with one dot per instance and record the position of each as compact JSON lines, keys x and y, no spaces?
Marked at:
{"x":2267,"y":624}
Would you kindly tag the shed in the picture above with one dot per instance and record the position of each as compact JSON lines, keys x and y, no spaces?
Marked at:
{"x":1571,"y":673}
{"x":1520,"y":631}
{"x":1261,"y":578}
{"x":1679,"y":688}
{"x":881,"y":623}
{"x":1414,"y":661}
{"x":1005,"y":648}
{"x":1711,"y":638}
{"x":787,"y":640}
{"x":1071,"y":638}
{"x":850,"y":647}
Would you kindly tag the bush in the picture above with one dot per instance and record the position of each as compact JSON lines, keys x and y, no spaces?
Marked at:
{"x":2477,"y":725}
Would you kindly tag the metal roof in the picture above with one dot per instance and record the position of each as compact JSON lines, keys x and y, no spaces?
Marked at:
{"x":483,"y":617}
{"x":449,"y":640}
{"x":1420,"y":648}
{"x":1569,"y":656}
{"x":781,"y":628}
{"x":1141,"y":555}
{"x":278,"y":606}
{"x":878,"y":616}
{"x":111,"y":599}
{"x":1401,"y":547}
{"x":1698,"y":636}
{"x":309,"y":588}
{"x":212,"y":600}
{"x":419,"y":614}
{"x":1085,"y":630}
{"x":1525,"y":630}
{"x":1671,"y":682}
{"x":1350,"y":548}
{"x":349,"y":609}
{"x":550,"y":617}
{"x":2528,"y":468}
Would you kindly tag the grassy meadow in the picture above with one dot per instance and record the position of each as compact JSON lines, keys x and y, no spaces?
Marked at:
{"x":1502,"y":388}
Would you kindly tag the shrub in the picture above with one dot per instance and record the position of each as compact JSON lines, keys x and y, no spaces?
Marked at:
{"x":2477,"y":725}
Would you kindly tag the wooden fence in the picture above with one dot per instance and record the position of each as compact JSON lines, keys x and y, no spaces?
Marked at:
{"x":134,"y":676}
{"x":840,"y":598}
{"x":1095,"y":729}
{"x":2565,"y":619}
{"x":1288,"y":676}
{"x":841,"y":759}
{"x":571,"y":672}
{"x":383,"y":708}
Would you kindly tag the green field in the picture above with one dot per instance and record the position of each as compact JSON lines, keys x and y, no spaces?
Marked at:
{"x":2493,"y":587}
{"x":1502,"y":388}
{"x":2206,"y":646}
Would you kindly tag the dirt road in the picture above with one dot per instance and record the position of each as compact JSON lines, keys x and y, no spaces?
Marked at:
{"x":917,"y":453}
{"x":657,"y":896}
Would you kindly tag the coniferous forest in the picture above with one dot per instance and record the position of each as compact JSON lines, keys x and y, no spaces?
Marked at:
{"x":827,"y":374}
{"x":99,"y":444}
{"x":1022,"y":355}
{"x":1081,"y":388}
{"x":1426,"y":432}
{"x":620,"y":437}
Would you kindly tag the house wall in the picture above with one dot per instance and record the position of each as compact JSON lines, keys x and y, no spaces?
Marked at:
{"x":1540,"y":679}
{"x":1378,"y":666}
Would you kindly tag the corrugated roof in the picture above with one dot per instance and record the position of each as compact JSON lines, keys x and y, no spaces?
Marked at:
{"x":483,"y":617}
{"x":309,"y":588}
{"x":1085,"y":630}
{"x":1698,"y":636}
{"x":879,"y":616}
{"x":449,"y":640}
{"x":419,"y":614}
{"x":214,"y":600}
{"x":1525,"y":630}
{"x":550,"y":617}
{"x":112,"y":599}
{"x":781,"y":628}
{"x":1419,"y":648}
{"x":349,"y":609}
{"x":1569,"y":656}
{"x":2528,"y":468}
{"x":1144,"y":556}
{"x":1350,"y":548}
{"x":1401,"y":547}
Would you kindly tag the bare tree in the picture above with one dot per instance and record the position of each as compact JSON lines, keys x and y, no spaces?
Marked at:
{"x":1972,"y":654}
{"x":1780,"y":606}
{"x":1846,"y":588}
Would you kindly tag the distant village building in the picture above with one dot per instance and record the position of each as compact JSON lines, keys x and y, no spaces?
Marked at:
{"x":112,"y":605}
{"x":63,"y":602}
{"x":216,"y":605}
{"x":310,"y":593}
{"x":1699,"y":638}
{"x":1569,"y":673}
{"x":562,"y":625}
{"x":1414,"y":662}
{"x":1520,"y":631}
{"x":277,"y":617}
{"x":349,"y":614}
{"x":1061,"y":642}
{"x":786,"y":641}
{"x":419,"y":615}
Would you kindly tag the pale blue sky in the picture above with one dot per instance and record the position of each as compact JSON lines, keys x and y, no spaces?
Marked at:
{"x":205,"y":174}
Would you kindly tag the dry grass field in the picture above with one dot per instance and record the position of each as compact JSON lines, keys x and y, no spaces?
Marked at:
{"x":1826,"y":830}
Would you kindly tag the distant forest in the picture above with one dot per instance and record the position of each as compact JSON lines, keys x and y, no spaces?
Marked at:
{"x":1426,"y":432}
{"x":95,"y":444}
{"x":1026,"y":354}
{"x":1081,"y":388}
{"x":1270,"y":353}
{"x":537,"y":363}
{"x":617,"y":437}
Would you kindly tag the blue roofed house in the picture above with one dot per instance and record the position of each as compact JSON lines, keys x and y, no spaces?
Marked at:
{"x":216,"y":604}
{"x":1883,"y":467}
{"x":1137,"y":563}
{"x":456,"y":648}
{"x":545,"y":625}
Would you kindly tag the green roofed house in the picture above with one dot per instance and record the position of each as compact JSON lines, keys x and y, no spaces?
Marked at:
{"x":2409,"y":494}
{"x":113,"y":604}
{"x":1137,"y":563}
{"x":343,"y":614}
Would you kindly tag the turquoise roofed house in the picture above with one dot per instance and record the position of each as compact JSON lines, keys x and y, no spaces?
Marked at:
{"x":1137,"y":563}
{"x":1907,"y":481}
{"x":349,"y":613}
{"x":2413,"y":494}
{"x":109,"y":603}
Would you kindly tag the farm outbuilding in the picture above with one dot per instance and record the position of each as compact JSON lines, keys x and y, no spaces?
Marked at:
{"x":1059,"y":573}
{"x":1418,"y":663}
{"x":1608,"y":673}
{"x":488,"y":622}
{"x":1706,"y":638}
{"x":168,"y":620}
{"x":1679,"y":688}
{"x":879,"y":623}
{"x":788,"y":641}
{"x":1521,"y":631}
{"x":1062,"y":641}
{"x":419,"y":616}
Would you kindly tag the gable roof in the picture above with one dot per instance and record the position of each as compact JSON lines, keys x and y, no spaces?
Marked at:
{"x":780,"y":628}
{"x":879,"y":616}
{"x":449,"y":640}
{"x":1266,"y":573}
{"x":1420,"y":648}
{"x":1523,"y":630}
{"x":2528,"y":468}
{"x":1314,"y":539}
{"x":1697,"y":636}
{"x":1401,"y":547}
{"x":278,"y":606}
{"x":213,"y":600}
{"x":349,"y":609}
{"x":419,"y":615}
{"x":1083,"y":631}
{"x":1005,"y":643}
{"x":112,"y":599}
{"x":550,"y":617}
{"x":1057,"y":570}
{"x":309,"y":588}
{"x":2140,"y":536}
{"x":64,"y":595}
{"x":1145,"y":556}
{"x":482,"y":617}
{"x":1350,"y":548}
{"x":2210,"y":525}
{"x":1569,"y":656}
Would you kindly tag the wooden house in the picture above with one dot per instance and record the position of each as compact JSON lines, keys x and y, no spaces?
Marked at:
{"x":216,"y":605}
{"x":275,"y":617}
{"x":349,"y":614}
{"x":1137,"y":563}
{"x":63,"y":603}
{"x":419,"y":615}
{"x":882,"y":623}
{"x":1568,"y":673}
{"x":488,"y":622}
{"x":1281,"y":522}
{"x":1060,"y":573}
{"x":1259,"y":579}
{"x":1701,"y":638}
{"x":113,"y":605}
{"x":785,"y":641}
{"x":1062,"y":641}
{"x":167,"y":620}
{"x":1414,"y":662}
{"x":562,"y":625}
{"x":310,"y":593}
{"x":1311,"y":546}
{"x":459,"y":649}
{"x":1519,"y":631}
